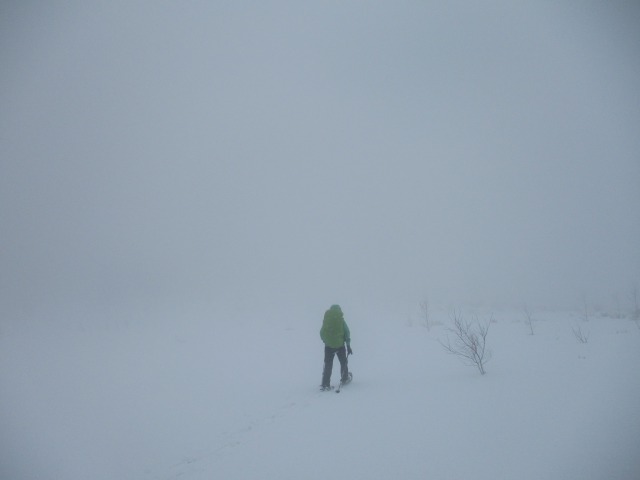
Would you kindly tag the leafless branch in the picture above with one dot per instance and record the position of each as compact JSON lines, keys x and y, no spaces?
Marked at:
{"x":585,"y":306}
{"x":582,"y":337}
{"x":424,"y":307}
{"x":635,"y":314}
{"x":469,"y":343}
{"x":528,"y":318}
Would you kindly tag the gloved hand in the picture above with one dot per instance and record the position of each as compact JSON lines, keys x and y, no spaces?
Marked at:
{"x":349,"y":351}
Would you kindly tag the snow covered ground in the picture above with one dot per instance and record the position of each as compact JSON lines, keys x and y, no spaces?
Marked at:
{"x":194,"y":396}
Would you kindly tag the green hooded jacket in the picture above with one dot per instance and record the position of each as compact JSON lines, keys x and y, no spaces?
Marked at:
{"x":335,"y":332}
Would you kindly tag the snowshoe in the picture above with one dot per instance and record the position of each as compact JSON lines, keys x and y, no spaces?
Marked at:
{"x":346,"y":379}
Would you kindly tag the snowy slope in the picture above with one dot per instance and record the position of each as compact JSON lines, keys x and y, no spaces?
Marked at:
{"x":204,"y":399}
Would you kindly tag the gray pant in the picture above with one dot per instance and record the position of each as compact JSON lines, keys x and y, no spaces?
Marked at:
{"x":329,"y":353}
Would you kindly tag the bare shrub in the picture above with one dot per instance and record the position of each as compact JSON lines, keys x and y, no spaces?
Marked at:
{"x":469,"y":342}
{"x":618,"y":308}
{"x":585,"y":308}
{"x":528,"y":318}
{"x":635,"y":313}
{"x":424,"y":308}
{"x":582,"y":337}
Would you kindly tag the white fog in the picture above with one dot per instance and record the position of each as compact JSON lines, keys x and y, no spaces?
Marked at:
{"x":255,"y":161}
{"x":291,"y":153}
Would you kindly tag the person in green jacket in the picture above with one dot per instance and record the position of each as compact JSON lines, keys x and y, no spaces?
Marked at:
{"x":335,"y":334}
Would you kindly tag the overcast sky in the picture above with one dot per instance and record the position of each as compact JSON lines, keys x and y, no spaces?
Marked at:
{"x":265,"y":154}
